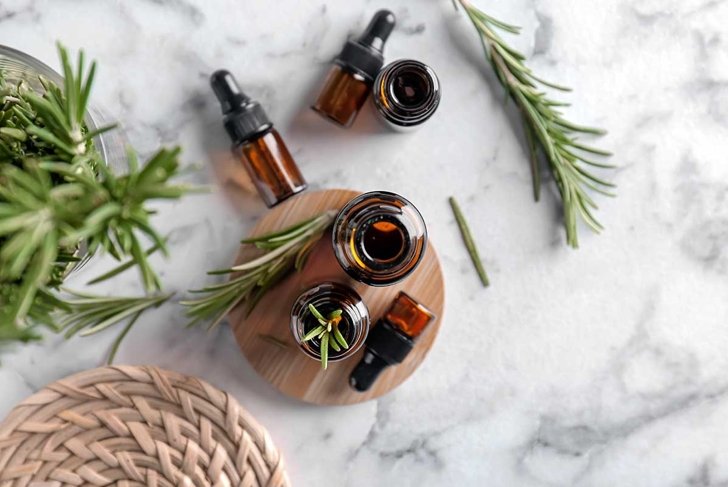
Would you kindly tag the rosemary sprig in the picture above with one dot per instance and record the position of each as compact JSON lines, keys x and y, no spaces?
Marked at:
{"x":86,"y":314}
{"x":546,"y":130}
{"x":327,"y":332}
{"x":469,"y":242}
{"x":286,"y":251}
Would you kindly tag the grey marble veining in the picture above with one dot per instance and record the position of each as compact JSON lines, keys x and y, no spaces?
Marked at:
{"x":598,"y":367}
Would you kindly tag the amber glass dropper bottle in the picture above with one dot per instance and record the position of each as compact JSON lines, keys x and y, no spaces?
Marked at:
{"x":258,"y":145}
{"x":391,"y":340}
{"x":351,"y":77}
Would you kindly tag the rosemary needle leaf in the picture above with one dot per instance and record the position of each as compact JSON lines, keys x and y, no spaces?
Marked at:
{"x":469,"y":242}
{"x":325,"y":351}
{"x":317,"y":315}
{"x":122,"y":267}
{"x":120,"y":338}
{"x":89,"y":314}
{"x":313,"y":333}
{"x":340,"y":338}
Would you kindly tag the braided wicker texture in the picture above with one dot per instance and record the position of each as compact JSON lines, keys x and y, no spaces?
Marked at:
{"x":133,"y":426}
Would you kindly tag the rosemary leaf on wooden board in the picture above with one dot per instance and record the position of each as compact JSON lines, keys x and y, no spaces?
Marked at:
{"x":286,"y":252}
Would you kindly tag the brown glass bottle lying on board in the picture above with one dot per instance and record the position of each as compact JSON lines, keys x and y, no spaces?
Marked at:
{"x":258,"y":145}
{"x":350,"y":80}
{"x":391,"y":340}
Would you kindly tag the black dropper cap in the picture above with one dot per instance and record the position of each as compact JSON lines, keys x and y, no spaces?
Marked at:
{"x":385,"y":346}
{"x":244,"y":118}
{"x":365,"y":54}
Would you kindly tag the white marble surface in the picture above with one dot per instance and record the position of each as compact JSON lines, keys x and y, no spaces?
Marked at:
{"x":598,"y":367}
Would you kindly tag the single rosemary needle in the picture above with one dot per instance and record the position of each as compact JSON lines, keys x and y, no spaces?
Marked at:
{"x":469,"y":242}
{"x":273,"y":340}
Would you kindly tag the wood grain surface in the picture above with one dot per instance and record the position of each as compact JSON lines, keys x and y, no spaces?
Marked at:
{"x":287,"y":367}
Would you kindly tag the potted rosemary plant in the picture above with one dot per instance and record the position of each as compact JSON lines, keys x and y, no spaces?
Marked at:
{"x":57,"y":195}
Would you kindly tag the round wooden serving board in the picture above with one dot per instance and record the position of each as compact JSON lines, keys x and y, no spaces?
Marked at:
{"x":287,"y":367}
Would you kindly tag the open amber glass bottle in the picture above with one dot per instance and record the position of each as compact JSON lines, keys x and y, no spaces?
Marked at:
{"x":379,"y":238}
{"x":406,"y":94}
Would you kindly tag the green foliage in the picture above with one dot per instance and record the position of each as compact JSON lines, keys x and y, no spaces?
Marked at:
{"x":286,"y":251}
{"x":58,"y":199}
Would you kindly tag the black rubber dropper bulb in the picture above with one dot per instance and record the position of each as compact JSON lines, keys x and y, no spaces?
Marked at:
{"x":365,"y":55}
{"x":227,"y":91}
{"x":378,"y":30}
{"x":244,"y":119}
{"x":256,"y":143}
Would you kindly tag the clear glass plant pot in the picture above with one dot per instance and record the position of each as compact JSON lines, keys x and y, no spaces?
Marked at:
{"x":17,"y":66}
{"x":328,"y":297}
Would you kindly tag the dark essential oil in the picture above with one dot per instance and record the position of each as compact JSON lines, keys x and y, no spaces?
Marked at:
{"x":383,"y":241}
{"x":391,"y":340}
{"x":258,"y":145}
{"x":379,"y":238}
{"x":350,"y":79}
{"x":410,"y":88}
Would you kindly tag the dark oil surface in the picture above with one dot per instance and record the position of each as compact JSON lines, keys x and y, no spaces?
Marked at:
{"x":383,"y":241}
{"x":410,"y":88}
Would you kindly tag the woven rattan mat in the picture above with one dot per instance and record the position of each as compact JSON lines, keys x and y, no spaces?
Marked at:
{"x":132,"y":426}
